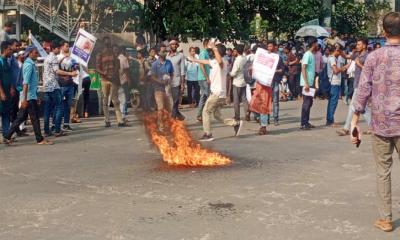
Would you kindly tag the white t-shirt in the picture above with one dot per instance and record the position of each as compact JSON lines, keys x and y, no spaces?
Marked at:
{"x":335,"y":79}
{"x":218,"y":78}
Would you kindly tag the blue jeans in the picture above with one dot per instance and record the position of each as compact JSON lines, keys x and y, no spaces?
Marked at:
{"x":275,"y":100}
{"x":5,"y":118}
{"x":204,"y":93}
{"x":67,"y":96}
{"x":332,"y":104}
{"x":52,"y":107}
{"x":264,"y":120}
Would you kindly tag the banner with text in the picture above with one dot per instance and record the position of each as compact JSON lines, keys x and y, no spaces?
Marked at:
{"x":264,"y":66}
{"x":83,"y":47}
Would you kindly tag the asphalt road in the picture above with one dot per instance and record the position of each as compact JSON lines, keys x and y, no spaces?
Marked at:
{"x":102,"y":183}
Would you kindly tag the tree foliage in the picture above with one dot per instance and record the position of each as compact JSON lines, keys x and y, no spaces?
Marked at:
{"x":115,"y":14}
{"x":287,"y":16}
{"x":225,"y":19}
{"x":353,"y":17}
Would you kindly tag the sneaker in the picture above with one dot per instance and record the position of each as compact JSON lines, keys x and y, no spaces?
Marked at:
{"x":384,"y":225}
{"x":199,"y":119}
{"x":206,"y":138}
{"x":67,"y":128}
{"x":237,"y":128}
{"x":276,"y":123}
{"x":60,"y":134}
{"x":124,"y":124}
{"x":107,"y":124}
{"x":48,"y":135}
{"x":305,"y":128}
{"x":310,"y":125}
{"x":343,"y":132}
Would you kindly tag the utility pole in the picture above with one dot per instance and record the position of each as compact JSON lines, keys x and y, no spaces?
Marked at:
{"x":327,"y":10}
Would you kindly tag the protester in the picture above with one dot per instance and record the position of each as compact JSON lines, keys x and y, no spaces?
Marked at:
{"x":239,"y":85}
{"x":144,"y":68}
{"x":150,"y":100}
{"x":335,"y":70}
{"x":293,"y":71}
{"x":362,"y":45}
{"x":15,"y":71}
{"x":217,"y":99}
{"x":378,"y":80}
{"x":30,"y":99}
{"x":107,"y":65}
{"x":86,"y":82}
{"x":123,"y":91}
{"x":162,"y":71}
{"x":53,"y":103}
{"x":271,"y":48}
{"x":204,"y":80}
{"x":7,"y":88}
{"x":307,"y":82}
{"x":230,"y":57}
{"x":251,"y":85}
{"x":193,"y":87}
{"x":319,"y":64}
{"x":66,"y":83}
{"x":177,"y":82}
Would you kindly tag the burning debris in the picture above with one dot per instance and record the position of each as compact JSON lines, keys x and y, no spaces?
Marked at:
{"x":177,"y":146}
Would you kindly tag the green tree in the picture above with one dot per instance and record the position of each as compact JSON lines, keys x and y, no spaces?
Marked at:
{"x":224,"y":19}
{"x":287,"y":16}
{"x":353,"y":17}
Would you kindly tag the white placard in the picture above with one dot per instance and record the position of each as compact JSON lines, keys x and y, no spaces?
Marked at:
{"x":83,"y":47}
{"x":264,"y":66}
{"x":310,"y":93}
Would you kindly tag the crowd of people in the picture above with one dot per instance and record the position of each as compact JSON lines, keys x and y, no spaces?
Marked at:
{"x":213,"y":75}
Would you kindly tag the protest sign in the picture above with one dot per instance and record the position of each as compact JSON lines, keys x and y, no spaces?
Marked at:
{"x":83,"y":47}
{"x":39,"y":47}
{"x":264,"y":66}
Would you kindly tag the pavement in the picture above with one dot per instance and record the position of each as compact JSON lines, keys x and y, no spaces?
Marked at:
{"x":102,"y":183}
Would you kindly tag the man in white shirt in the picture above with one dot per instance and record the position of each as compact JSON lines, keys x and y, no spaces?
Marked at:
{"x":217,"y":99}
{"x":334,"y":69}
{"x":239,"y":85}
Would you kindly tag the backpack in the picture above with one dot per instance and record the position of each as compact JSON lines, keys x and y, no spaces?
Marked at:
{"x":247,"y":72}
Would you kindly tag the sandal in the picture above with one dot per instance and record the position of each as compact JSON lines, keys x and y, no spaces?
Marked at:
{"x":343,"y":132}
{"x":384,"y":225}
{"x":45,"y":142}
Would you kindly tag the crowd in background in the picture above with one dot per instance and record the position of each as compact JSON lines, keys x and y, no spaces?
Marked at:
{"x":162,"y":76}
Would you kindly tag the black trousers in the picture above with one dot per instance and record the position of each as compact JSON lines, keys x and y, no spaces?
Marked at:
{"x":176,"y":99}
{"x":86,"y":91}
{"x":306,"y":109}
{"x":33,"y":111}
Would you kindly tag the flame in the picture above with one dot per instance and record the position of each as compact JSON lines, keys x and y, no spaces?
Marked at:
{"x":177,"y":146}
